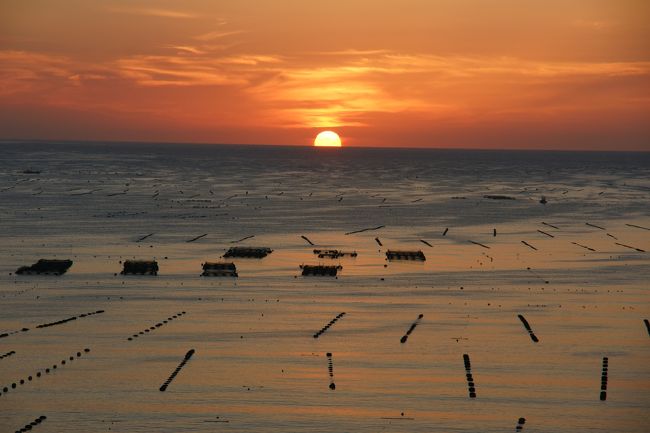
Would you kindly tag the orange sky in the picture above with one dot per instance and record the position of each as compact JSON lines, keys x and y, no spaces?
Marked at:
{"x":562,"y":74}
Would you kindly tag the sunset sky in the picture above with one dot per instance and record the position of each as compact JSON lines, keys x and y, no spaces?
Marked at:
{"x":556,"y":74}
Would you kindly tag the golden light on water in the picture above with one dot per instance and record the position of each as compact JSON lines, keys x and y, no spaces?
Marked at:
{"x":327,"y":139}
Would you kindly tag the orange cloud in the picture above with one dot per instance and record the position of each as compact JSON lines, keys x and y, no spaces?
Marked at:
{"x":216,"y":34}
{"x":29,"y":72}
{"x":329,"y":96}
{"x":153,"y":12}
{"x":176,"y":71}
{"x":344,"y":89}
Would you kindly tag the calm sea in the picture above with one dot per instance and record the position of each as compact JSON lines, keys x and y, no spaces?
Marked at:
{"x":575,"y":267}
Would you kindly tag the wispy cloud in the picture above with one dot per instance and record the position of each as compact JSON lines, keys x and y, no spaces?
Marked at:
{"x":196,"y":70}
{"x":217,"y":34}
{"x":328,"y":96}
{"x":154,"y":12}
{"x":176,"y":71}
{"x":439,"y":86}
{"x":345,"y":89}
{"x":187,"y":49}
{"x":351,"y":52}
{"x":596,"y":25}
{"x":250,"y":59}
{"x":30,"y":72}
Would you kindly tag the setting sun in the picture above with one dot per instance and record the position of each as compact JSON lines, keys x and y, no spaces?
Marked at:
{"x":327,"y":139}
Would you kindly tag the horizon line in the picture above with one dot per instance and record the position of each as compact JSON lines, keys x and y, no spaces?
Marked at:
{"x":204,"y":143}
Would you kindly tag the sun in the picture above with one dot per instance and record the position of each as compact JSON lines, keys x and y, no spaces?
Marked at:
{"x":327,"y":139}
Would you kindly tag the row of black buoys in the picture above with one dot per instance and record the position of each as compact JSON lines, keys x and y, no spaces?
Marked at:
{"x":330,"y":368}
{"x":520,"y":424}
{"x":527,"y":326}
{"x":468,"y":375}
{"x":62,"y":321}
{"x":7,"y":334}
{"x":529,"y":245}
{"x":39,"y":373}
{"x":32,"y":424}
{"x":647,"y":325}
{"x":171,"y":377}
{"x":157,"y":325}
{"x":197,"y":238}
{"x":12,"y":352}
{"x":603,"y":379}
{"x":413,"y":325}
{"x":326,"y":327}
{"x":583,"y":246}
{"x":140,"y":239}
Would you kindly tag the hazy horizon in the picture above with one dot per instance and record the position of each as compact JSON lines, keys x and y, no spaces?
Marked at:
{"x":6,"y":141}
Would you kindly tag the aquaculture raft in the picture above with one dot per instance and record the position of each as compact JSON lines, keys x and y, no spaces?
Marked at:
{"x":46,"y":267}
{"x":140,"y":267}
{"x":405,"y":255}
{"x":211,"y":269}
{"x":320,"y":270}
{"x":334,"y":254}
{"x":248,"y":252}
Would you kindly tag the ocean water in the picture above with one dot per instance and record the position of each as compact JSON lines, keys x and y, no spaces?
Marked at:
{"x":579,"y":279}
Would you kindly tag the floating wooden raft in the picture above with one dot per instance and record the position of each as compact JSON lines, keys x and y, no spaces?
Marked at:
{"x":211,"y":269}
{"x":405,"y":255}
{"x":248,"y":252}
{"x":46,"y":267}
{"x":334,"y":254}
{"x":320,"y":270}
{"x":140,"y":267}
